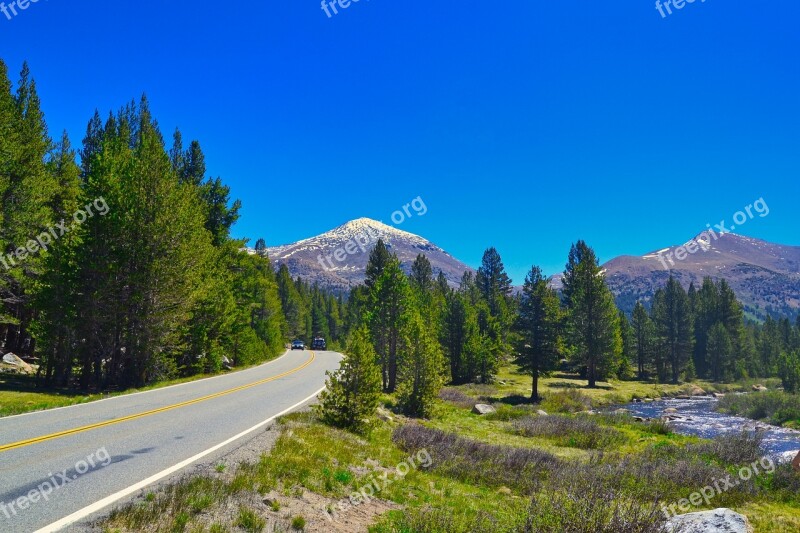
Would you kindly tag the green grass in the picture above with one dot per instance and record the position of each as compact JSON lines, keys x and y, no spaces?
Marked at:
{"x":19,"y":393}
{"x":515,"y":387}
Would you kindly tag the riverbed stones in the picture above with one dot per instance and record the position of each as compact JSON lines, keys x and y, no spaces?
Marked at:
{"x":716,"y":521}
{"x":483,"y":409}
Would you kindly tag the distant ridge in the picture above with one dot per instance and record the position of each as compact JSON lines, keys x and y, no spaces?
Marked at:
{"x":765,"y":276}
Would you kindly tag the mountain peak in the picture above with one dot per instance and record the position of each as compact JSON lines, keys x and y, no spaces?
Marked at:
{"x":338,"y":258}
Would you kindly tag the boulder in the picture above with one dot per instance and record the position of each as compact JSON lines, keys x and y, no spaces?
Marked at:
{"x":716,"y":521}
{"x":718,"y":394}
{"x":541,"y":413}
{"x":483,"y":409}
{"x":648,"y":400}
{"x":21,"y":366}
{"x":670,"y":410}
{"x":697,"y":391}
{"x":759,"y":388}
{"x":622,"y":412}
{"x":796,"y":463}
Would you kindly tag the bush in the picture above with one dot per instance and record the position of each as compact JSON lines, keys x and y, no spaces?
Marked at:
{"x":734,"y":448}
{"x":472,"y":461}
{"x":457,"y":397}
{"x":507,"y":412}
{"x":775,"y":407}
{"x":567,"y":401}
{"x":580,"y":432}
{"x":592,"y":508}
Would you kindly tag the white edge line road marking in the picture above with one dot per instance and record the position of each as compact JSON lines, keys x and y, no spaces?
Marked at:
{"x":93,"y":402}
{"x":108,"y":500}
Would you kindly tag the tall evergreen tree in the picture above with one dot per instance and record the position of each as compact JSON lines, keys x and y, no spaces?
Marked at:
{"x":644,"y":338}
{"x":420,"y":375}
{"x":592,"y":319}
{"x":538,"y":325}
{"x":673,"y":320}
{"x":388,"y":304}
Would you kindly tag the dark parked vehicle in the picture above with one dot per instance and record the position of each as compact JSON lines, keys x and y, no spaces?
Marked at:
{"x":319,"y":344}
{"x":298,"y":345}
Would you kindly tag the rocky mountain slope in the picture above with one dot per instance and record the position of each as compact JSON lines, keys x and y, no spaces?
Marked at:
{"x":765,"y":276}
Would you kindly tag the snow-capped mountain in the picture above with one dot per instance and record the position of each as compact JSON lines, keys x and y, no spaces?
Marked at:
{"x":338,"y":259}
{"x":765,"y":276}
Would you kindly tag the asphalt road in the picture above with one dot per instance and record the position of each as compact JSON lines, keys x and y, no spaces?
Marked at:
{"x":63,"y":465}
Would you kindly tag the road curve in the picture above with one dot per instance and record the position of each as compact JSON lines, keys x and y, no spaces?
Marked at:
{"x":63,"y":465}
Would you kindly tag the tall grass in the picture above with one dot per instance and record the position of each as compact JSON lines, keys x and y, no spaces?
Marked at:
{"x":776,"y":407}
{"x":573,"y":432}
{"x":476,"y":462}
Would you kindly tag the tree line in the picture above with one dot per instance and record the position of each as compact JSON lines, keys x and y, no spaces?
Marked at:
{"x":154,"y":288}
{"x":410,"y":333}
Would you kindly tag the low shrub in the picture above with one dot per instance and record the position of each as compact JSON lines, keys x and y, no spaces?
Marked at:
{"x":577,"y":432}
{"x":507,"y":412}
{"x":457,"y":397}
{"x":567,"y":401}
{"x":737,"y":448}
{"x":775,"y":407}
{"x":592,"y":507}
{"x":472,"y":461}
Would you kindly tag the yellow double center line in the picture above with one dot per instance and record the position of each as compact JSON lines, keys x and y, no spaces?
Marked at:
{"x":23,"y":443}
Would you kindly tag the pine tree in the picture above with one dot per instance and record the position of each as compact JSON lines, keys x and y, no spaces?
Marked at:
{"x":592,"y":318}
{"x":55,"y":300}
{"x":673,"y":320}
{"x":422,"y":275}
{"x":538,"y":325}
{"x":379,"y":257}
{"x":388,"y":304}
{"x":353,"y":392}
{"x":420,"y":377}
{"x":718,"y":351}
{"x":644,"y":338}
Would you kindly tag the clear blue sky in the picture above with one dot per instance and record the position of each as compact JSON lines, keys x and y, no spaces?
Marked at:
{"x":523,"y":125}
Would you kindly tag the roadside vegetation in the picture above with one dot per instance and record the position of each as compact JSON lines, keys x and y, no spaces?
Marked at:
{"x":483,"y":476}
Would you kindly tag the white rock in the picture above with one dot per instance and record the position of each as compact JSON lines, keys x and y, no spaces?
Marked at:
{"x":483,"y":409}
{"x":541,"y":413}
{"x":716,"y":521}
{"x":13,"y":360}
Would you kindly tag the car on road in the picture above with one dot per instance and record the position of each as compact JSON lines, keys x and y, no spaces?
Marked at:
{"x":298,"y":345}
{"x":319,"y":344}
